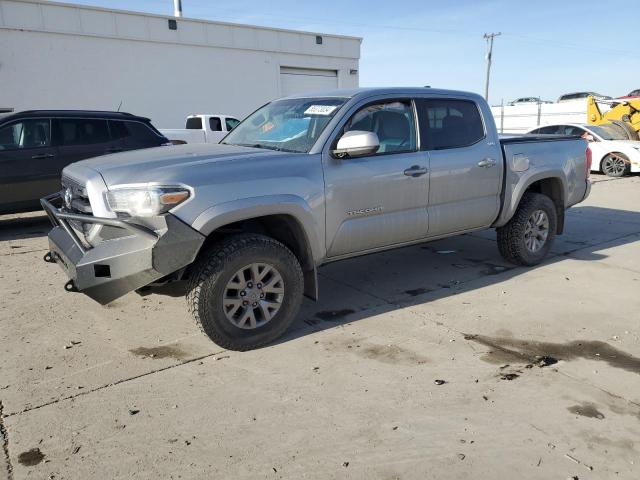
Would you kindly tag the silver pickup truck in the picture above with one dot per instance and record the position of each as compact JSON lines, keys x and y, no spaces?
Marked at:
{"x":304,"y":181}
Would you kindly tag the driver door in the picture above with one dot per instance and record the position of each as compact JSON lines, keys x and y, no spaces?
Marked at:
{"x":377,"y":200}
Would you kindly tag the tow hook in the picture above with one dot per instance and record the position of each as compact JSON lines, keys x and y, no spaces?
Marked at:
{"x":48,"y":257}
{"x":70,"y":286}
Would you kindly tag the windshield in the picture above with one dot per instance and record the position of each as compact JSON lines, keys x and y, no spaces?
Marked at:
{"x":608,"y":133}
{"x":289,"y":125}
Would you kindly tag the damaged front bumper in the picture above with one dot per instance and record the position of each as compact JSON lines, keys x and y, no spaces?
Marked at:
{"x":131,"y":257}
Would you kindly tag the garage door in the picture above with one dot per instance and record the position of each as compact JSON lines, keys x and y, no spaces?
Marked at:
{"x":303,"y":80}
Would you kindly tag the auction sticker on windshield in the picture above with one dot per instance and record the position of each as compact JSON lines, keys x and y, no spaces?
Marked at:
{"x":320,"y":110}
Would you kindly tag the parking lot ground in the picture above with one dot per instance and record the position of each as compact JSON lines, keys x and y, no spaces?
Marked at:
{"x":433,"y":361}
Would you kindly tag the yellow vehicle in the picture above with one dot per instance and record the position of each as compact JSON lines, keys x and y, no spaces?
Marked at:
{"x":624,"y":114}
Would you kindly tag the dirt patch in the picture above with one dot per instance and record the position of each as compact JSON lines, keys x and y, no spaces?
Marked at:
{"x":390,"y":354}
{"x":31,"y":457}
{"x":332,"y":315}
{"x":167,"y":351}
{"x":510,"y":350}
{"x":586,"y":409}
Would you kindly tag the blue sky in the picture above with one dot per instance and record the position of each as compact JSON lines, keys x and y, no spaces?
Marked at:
{"x":547,"y":47}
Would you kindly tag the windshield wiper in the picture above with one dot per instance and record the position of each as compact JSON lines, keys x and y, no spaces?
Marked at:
{"x":265,"y":146}
{"x":257,"y":145}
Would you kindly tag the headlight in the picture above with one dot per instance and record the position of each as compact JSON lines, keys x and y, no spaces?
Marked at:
{"x":146,"y":201}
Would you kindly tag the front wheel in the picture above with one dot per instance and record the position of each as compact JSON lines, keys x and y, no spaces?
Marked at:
{"x":527,"y":238}
{"x":245,"y":291}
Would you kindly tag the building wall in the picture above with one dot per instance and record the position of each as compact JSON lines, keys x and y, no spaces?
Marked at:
{"x":62,"y":56}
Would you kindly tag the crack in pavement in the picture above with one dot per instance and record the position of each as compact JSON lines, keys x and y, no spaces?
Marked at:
{"x":22,"y":253}
{"x":5,"y":444}
{"x":112,"y":384}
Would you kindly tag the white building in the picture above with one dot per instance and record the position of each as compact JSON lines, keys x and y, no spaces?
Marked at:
{"x":62,"y":56}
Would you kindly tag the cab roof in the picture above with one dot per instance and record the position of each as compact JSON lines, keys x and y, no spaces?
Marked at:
{"x":370,"y":91}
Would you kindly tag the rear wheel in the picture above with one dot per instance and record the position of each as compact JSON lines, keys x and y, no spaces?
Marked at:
{"x":245,"y":291}
{"x":527,"y":238}
{"x":615,"y":165}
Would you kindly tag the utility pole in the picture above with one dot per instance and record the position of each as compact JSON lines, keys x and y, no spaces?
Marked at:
{"x":177,"y":8}
{"x":489,"y":38}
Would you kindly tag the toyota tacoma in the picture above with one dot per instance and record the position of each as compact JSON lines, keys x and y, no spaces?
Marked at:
{"x":301,"y":182}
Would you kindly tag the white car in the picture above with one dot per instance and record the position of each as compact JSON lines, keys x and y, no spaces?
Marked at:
{"x":612,"y":153}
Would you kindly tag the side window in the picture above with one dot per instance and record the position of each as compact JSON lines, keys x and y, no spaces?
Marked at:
{"x":25,"y":134}
{"x":75,"y":131}
{"x":194,"y":123}
{"x":134,"y":133}
{"x":392,"y":121}
{"x":450,"y":123}
{"x":570,"y":130}
{"x":553,"y":130}
{"x":118,"y":130}
{"x":231,"y":123}
{"x":215,"y":124}
{"x":142,"y":133}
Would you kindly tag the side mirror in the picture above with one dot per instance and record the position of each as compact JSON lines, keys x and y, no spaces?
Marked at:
{"x":357,"y":143}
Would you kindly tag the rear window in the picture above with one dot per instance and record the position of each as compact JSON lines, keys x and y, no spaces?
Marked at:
{"x":194,"y":123}
{"x":450,"y":123}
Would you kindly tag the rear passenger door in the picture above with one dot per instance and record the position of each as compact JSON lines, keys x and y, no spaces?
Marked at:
{"x":80,"y":138}
{"x":465,"y":165}
{"x":133,"y":135}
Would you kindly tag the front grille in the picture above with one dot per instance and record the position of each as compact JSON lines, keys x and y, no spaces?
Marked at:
{"x":77,"y":203}
{"x":79,"y":198}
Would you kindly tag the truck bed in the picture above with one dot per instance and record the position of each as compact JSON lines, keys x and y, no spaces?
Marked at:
{"x":533,"y":157}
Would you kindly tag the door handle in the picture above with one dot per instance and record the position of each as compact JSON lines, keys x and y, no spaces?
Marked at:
{"x":415,"y":171}
{"x":487,"y":163}
{"x":113,"y":150}
{"x":43,"y":155}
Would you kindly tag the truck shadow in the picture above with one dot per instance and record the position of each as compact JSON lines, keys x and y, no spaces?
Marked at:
{"x":362,"y":287}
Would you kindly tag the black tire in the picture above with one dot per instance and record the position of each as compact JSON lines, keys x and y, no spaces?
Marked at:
{"x":625,"y":128}
{"x":610,"y":165}
{"x":215,"y":268}
{"x":511,"y":237}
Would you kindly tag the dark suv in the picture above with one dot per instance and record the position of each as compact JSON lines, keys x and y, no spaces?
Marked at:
{"x":36,"y":145}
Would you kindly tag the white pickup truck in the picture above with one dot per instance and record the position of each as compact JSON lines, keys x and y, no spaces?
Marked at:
{"x":201,"y":128}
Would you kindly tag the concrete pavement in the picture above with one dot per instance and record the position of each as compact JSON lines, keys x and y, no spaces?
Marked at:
{"x":423,"y":362}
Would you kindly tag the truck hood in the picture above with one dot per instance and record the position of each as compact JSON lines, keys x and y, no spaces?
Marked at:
{"x":163,"y":164}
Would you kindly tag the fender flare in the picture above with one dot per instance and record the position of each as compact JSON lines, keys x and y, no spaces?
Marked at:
{"x":255,"y":207}
{"x":519,"y":189}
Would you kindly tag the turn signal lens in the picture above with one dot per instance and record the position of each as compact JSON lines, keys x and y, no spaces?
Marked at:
{"x":174,"y":198}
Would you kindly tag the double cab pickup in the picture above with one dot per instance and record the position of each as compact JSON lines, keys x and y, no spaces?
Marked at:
{"x":303,"y":181}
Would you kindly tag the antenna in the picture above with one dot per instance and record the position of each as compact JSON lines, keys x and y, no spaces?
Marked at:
{"x":119,"y":106}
